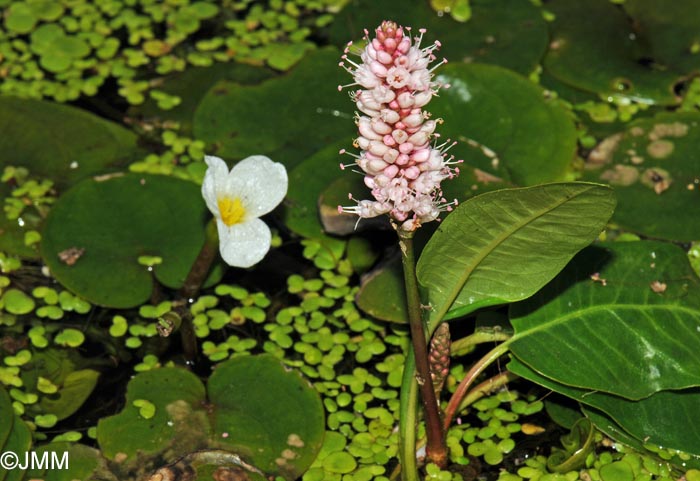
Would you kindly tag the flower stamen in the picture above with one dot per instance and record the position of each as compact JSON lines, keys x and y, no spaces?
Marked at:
{"x":232,"y":210}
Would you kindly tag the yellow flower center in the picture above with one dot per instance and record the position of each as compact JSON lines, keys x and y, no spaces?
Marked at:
{"x":232,"y":210}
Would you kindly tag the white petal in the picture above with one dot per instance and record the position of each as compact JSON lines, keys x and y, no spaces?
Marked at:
{"x":215,"y":182}
{"x":260,"y":183}
{"x":244,"y":244}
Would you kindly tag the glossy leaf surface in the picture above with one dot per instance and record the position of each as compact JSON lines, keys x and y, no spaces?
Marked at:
{"x":287,"y":118}
{"x":109,"y":223}
{"x":655,"y":170}
{"x":268,"y":414}
{"x":532,"y":138}
{"x":178,"y":422}
{"x":509,"y":33}
{"x":606,"y":55}
{"x":667,"y":418}
{"x":621,"y":319}
{"x":61,"y":142}
{"x":504,"y":246}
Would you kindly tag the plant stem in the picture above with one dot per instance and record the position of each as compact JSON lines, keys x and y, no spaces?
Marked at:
{"x":477,"y":368}
{"x":487,"y":387}
{"x":467,"y":344}
{"x":193,"y":283}
{"x":436,"y":449}
{"x":408,"y":409}
{"x":202,"y":264}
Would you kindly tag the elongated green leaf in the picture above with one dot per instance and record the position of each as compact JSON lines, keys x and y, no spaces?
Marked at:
{"x":504,"y":246}
{"x":668,"y":418}
{"x":622,"y":319}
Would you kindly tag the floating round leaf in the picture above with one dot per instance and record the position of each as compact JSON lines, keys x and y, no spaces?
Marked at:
{"x":61,"y":142}
{"x":674,"y":33}
{"x":192,"y":84}
{"x":178,"y":423}
{"x":605,"y":55}
{"x":15,"y":436}
{"x":16,"y":302}
{"x":96,"y":232}
{"x":301,"y":111}
{"x":269,"y":415}
{"x":655,"y":171}
{"x":510,"y":33}
{"x":20,"y":18}
{"x":76,"y":461}
{"x":535,"y":138}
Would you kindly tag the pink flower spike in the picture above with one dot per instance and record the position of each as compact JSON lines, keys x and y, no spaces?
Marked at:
{"x":401,"y":162}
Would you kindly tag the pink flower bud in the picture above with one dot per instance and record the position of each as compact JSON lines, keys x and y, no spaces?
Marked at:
{"x":405,"y":100}
{"x":400,"y":136}
{"x":390,"y":156}
{"x":390,"y":116}
{"x":413,"y":120}
{"x":380,"y":126}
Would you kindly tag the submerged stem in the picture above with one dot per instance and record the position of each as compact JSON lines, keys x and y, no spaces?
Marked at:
{"x":436,"y":450}
{"x":193,"y":283}
{"x":408,"y":421}
{"x":469,"y":379}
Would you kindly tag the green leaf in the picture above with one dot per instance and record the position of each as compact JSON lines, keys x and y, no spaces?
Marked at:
{"x":509,"y":33}
{"x":338,"y":193}
{"x":179,"y":423}
{"x":654,"y":168}
{"x":667,"y":418}
{"x":60,"y":142}
{"x":674,"y":33}
{"x":306,"y":182}
{"x":116,"y":221}
{"x":535,"y":138}
{"x":299,"y":113}
{"x":12,"y":232}
{"x":267,"y":414}
{"x":6,"y":417}
{"x":382,"y":294}
{"x":76,"y":388}
{"x":595,"y":47}
{"x":16,"y":438}
{"x":19,"y":18}
{"x":504,"y":246}
{"x":16,"y":302}
{"x":193,"y":84}
{"x":83,"y":462}
{"x":621,"y":318}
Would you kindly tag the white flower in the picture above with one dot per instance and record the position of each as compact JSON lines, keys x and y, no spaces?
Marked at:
{"x":251,"y":189}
